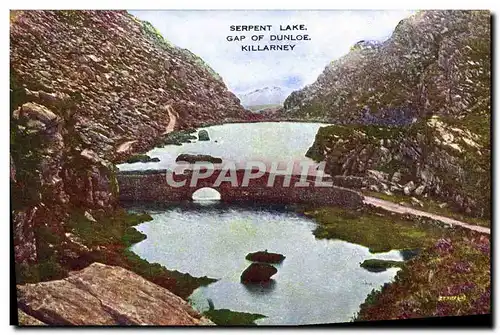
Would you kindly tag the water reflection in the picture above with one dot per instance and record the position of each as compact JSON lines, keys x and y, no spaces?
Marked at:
{"x":319,"y":282}
{"x":260,"y":288}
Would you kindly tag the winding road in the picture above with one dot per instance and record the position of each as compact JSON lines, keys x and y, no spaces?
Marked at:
{"x":172,"y":120}
{"x":393,"y":207}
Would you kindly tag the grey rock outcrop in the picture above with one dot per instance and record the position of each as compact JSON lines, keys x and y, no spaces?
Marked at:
{"x":416,"y":105}
{"x":105,"y":295}
{"x":436,"y":61}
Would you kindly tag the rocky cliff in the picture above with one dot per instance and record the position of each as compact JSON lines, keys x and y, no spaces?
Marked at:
{"x":416,"y":105}
{"x":435,"y":62}
{"x":88,"y":89}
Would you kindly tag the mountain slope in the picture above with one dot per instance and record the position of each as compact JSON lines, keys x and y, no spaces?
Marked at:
{"x":436,"y":62}
{"x":83,"y":85}
{"x":415,"y":107}
{"x":264,"y":96}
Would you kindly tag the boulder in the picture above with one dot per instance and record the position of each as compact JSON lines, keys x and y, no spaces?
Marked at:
{"x":419,"y":190}
{"x":379,"y":175}
{"x":396,"y":177}
{"x":89,"y":217}
{"x":203,"y":135}
{"x":395,"y":188}
{"x":265,"y":257}
{"x":416,"y":202}
{"x":37,"y":112}
{"x":258,"y":273}
{"x":409,"y":187}
{"x":105,"y":295}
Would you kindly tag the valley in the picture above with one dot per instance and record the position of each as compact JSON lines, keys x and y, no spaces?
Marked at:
{"x":102,"y":100}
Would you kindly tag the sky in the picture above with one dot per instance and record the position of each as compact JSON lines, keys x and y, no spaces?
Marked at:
{"x":332,"y":33}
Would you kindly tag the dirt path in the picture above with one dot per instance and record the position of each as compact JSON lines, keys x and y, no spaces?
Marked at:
{"x":172,"y":116}
{"x":390,"y":206}
{"x":125,"y":146}
{"x":172,"y":120}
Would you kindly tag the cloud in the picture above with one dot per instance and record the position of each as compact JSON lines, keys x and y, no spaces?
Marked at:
{"x":332,"y":34}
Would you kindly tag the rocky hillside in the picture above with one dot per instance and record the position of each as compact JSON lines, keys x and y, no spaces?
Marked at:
{"x":429,"y":158}
{"x":415,"y":108}
{"x":89,"y":88}
{"x":435,"y":62}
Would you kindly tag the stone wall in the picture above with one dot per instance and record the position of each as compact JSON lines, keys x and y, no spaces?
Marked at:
{"x":153,"y":187}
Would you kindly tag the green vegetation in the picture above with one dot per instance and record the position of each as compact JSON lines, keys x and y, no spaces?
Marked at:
{"x":379,"y":265}
{"x":155,"y":34}
{"x":379,"y":230}
{"x":451,"y":277}
{"x":182,"y":284}
{"x":116,"y":229}
{"x":108,"y":239}
{"x":226,"y":317}
{"x":48,"y":266}
{"x":114,"y":235}
{"x":141,"y":158}
{"x":177,"y":138}
{"x":462,"y":175}
{"x":49,"y":269}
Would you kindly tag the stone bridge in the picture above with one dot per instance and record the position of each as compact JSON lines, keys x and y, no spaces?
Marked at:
{"x":152,"y":186}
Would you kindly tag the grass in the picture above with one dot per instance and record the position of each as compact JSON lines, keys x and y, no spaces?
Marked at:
{"x":141,"y":158}
{"x":117,"y":229}
{"x":226,"y":317}
{"x":431,"y":206}
{"x":181,"y":284}
{"x":114,"y":235}
{"x":49,"y":269}
{"x":379,"y":230}
{"x":451,"y":277}
{"x":177,"y":138}
{"x":108,"y":240}
{"x":379,"y":265}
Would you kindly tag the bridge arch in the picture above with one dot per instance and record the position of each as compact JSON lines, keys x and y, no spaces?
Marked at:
{"x":206,"y":194}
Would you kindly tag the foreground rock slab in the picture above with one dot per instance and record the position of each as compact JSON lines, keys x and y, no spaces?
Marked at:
{"x":27,"y":320}
{"x":105,"y":295}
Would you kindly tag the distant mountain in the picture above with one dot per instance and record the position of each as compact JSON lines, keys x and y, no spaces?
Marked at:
{"x":265,"y":96}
